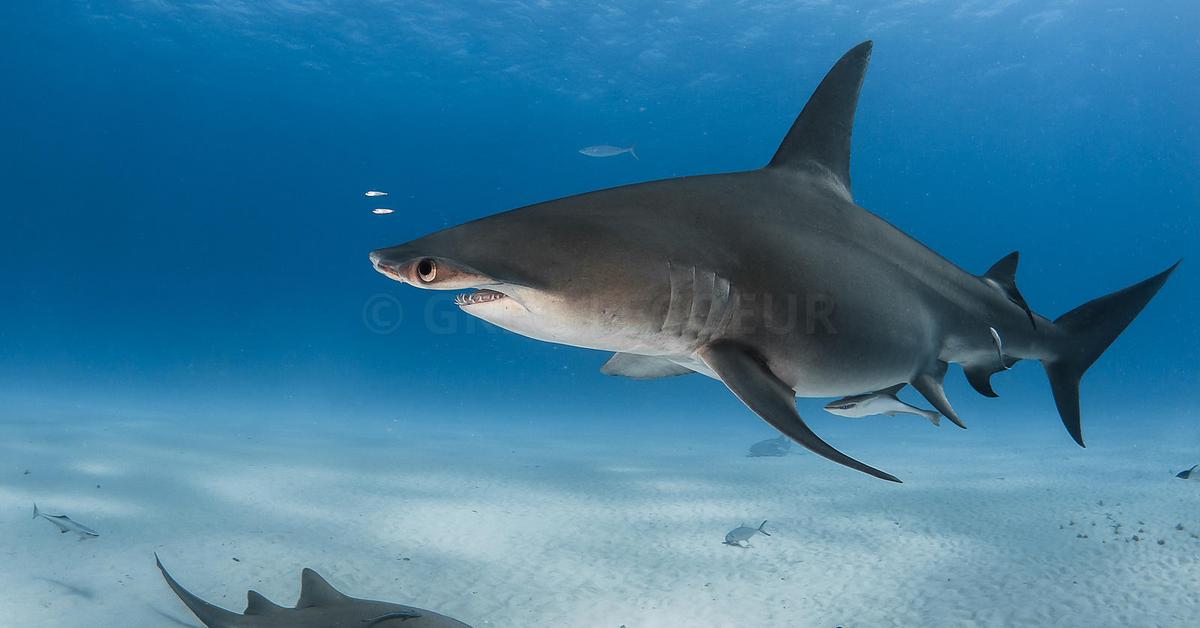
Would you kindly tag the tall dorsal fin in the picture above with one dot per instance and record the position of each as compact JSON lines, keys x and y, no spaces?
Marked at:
{"x":315,"y":591}
{"x":256,"y":604}
{"x":819,"y":140}
{"x":1003,"y":275}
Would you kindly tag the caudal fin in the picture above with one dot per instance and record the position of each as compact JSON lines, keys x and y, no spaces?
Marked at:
{"x":211,"y":615}
{"x":633,"y":153}
{"x":1088,"y":330}
{"x":35,"y":511}
{"x":760,"y":528}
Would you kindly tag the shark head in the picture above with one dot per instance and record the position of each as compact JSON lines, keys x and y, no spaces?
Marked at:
{"x":854,"y":406}
{"x":542,"y":271}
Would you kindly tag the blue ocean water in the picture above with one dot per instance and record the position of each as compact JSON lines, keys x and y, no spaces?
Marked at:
{"x":183,"y":230}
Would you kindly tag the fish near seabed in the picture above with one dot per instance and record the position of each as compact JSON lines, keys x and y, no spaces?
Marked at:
{"x":65,"y":524}
{"x":605,"y":150}
{"x":879,"y":402}
{"x":1188,"y":474}
{"x":743,"y":533}
{"x":772,"y":281}
{"x":771,"y":447}
{"x":320,"y":606}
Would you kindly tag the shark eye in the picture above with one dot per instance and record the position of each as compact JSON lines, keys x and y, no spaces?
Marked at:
{"x":427,"y":270}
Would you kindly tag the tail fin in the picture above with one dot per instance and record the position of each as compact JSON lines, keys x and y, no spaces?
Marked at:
{"x":1088,"y":330}
{"x":210,"y":615}
{"x":35,"y":511}
{"x":760,"y":528}
{"x":633,"y":153}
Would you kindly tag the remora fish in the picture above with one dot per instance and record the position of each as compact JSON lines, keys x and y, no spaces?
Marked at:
{"x":773,"y":281}
{"x":604,"y":150}
{"x":880,"y":402}
{"x":743,"y":533}
{"x":320,"y":606}
{"x":374,"y":193}
{"x":65,"y":524}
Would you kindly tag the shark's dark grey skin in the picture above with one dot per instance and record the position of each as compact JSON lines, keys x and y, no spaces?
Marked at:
{"x":319,"y":606}
{"x":773,"y":281}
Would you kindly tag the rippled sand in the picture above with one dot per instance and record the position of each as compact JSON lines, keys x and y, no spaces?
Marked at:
{"x":551,"y":526}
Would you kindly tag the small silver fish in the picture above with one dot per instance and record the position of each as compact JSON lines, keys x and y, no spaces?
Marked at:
{"x":374,"y":193}
{"x":742,"y":534}
{"x":605,"y":150}
{"x":65,"y":524}
{"x":380,"y":211}
{"x":880,"y":402}
{"x":1189,"y":474}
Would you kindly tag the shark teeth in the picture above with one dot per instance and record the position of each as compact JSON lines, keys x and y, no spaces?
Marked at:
{"x":480,"y":296}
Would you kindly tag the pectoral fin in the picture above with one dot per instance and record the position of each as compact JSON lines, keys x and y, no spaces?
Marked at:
{"x":750,"y":379}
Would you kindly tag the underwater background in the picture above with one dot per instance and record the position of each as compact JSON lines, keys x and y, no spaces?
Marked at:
{"x":190,"y":323}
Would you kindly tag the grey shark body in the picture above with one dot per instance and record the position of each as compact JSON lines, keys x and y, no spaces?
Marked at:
{"x":319,"y":606}
{"x":773,"y":281}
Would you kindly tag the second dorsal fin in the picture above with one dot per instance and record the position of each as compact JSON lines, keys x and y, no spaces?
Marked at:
{"x":819,"y":140}
{"x":1003,"y":276}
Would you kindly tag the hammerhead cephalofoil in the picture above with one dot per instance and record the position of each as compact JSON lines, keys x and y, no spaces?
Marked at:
{"x":773,"y":281}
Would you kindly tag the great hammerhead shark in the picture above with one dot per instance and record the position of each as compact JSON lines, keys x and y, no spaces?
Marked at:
{"x":773,"y":281}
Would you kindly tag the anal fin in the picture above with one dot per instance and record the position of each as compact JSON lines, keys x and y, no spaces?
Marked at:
{"x":980,"y":379}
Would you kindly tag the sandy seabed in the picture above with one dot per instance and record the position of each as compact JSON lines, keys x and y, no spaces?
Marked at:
{"x":558,"y":525}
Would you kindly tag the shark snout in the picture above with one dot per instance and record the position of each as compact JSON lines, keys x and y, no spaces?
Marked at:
{"x":390,"y":267}
{"x":416,"y":268}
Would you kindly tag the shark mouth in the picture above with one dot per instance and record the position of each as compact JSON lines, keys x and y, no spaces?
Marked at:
{"x":390,"y":272}
{"x":482,"y":295}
